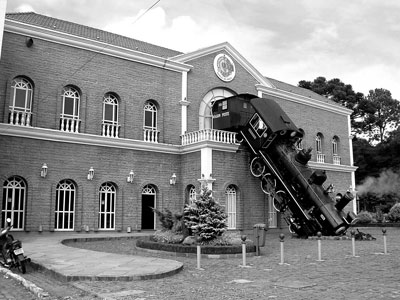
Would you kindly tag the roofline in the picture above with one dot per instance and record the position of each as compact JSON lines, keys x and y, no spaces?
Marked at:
{"x":231,"y":50}
{"x":308,"y":101}
{"x":94,"y":46}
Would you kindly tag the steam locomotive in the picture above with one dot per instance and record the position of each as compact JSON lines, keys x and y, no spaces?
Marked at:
{"x":298,"y":192}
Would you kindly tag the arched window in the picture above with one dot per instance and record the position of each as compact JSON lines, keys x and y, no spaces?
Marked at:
{"x":110,"y":116}
{"x":21,"y":102}
{"x":70,"y":110}
{"x":230,"y":208}
{"x":13,"y":205}
{"x":205,"y":112}
{"x":191,"y":194}
{"x":318,"y":148}
{"x":335,"y":151}
{"x":107,"y":198}
{"x":150,"y":122}
{"x":65,"y":205}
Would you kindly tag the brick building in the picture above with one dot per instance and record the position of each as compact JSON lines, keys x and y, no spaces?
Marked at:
{"x":96,"y":128}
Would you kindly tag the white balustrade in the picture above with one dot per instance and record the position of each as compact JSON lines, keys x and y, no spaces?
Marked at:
{"x":150,"y":135}
{"x":110,"y":130}
{"x":336,"y":159}
{"x":215,"y":135}
{"x":22,"y":118}
{"x":320,"y":157}
{"x":69,"y":124}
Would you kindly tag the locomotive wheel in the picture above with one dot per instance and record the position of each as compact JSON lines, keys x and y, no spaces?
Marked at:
{"x":279,"y":204}
{"x":257,"y":167}
{"x":268,"y":184}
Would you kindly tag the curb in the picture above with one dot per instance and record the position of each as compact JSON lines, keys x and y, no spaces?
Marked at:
{"x":37,"y":291}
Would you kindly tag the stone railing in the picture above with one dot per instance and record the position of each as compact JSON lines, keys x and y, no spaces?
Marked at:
{"x":215,"y":135}
{"x":320,"y":157}
{"x":69,"y":124}
{"x":150,"y":135}
{"x":110,"y":130}
{"x":22,"y":118}
{"x":336,"y":159}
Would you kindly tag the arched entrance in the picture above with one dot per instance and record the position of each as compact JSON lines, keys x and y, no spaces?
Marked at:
{"x":148,"y":203}
{"x":205,"y":113}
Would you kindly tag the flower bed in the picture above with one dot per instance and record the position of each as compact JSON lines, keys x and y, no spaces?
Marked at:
{"x":205,"y":249}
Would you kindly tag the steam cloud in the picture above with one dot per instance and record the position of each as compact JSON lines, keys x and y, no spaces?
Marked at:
{"x":388,"y":182}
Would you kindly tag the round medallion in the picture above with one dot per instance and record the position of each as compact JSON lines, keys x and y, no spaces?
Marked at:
{"x":224,"y":67}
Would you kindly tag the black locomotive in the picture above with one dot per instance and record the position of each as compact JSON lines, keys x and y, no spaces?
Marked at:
{"x":298,"y":191}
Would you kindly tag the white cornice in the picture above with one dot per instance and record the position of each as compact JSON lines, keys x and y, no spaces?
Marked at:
{"x":233,"y":52}
{"x":285,"y":95}
{"x":95,"y":46}
{"x":332,"y":167}
{"x":96,"y":140}
{"x":85,"y":139}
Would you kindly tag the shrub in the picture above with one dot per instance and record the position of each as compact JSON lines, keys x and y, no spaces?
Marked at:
{"x":167,"y":236}
{"x":394,"y":213}
{"x":166,"y":218}
{"x":364,"y":217}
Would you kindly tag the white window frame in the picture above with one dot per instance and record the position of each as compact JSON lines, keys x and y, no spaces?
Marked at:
{"x":70,"y":92}
{"x":107,"y":193}
{"x":192,"y":194}
{"x":20,"y":83}
{"x":14,"y":191}
{"x":230,"y":206}
{"x":152,"y":108}
{"x":63,"y":210}
{"x":110,"y":100}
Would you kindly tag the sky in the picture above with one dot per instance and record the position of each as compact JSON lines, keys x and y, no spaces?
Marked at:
{"x":357,"y":41}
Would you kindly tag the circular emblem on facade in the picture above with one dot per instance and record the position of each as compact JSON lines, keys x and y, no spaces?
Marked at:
{"x":224,"y":67}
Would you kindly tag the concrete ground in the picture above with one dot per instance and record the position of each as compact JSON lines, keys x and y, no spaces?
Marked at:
{"x":337,"y":273}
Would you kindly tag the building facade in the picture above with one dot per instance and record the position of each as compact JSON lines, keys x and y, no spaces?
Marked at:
{"x":96,"y":129}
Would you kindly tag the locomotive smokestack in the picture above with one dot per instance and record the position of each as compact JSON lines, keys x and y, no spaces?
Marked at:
{"x":303,"y":156}
{"x":346,"y":198}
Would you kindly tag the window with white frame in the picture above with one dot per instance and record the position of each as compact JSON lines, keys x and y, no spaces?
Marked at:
{"x":335,"y":145}
{"x":335,"y":151}
{"x":150,"y":116}
{"x":65,"y":205}
{"x":230,"y":206}
{"x":21,"y":102}
{"x":192,"y":194}
{"x":13,"y":206}
{"x":70,"y":109}
{"x":107,"y":197}
{"x":110,"y":116}
{"x":318,"y":148}
{"x":150,"y":122}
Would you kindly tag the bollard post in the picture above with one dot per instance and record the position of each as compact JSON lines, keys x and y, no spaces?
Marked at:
{"x":198,"y":240}
{"x":282,"y":239}
{"x":384,"y":240}
{"x":353,"y":242}
{"x":243,"y":237}
{"x":319,"y":234}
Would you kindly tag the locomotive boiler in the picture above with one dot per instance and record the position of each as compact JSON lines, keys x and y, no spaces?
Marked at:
{"x":298,"y":192}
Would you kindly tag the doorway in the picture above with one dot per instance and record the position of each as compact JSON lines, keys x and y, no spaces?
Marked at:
{"x":148,"y":203}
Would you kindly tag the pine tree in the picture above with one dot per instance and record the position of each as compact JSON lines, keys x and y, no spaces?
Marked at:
{"x":205,"y":217}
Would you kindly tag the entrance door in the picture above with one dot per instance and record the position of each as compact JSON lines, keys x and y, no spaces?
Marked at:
{"x":13,"y":204}
{"x":148,"y":203}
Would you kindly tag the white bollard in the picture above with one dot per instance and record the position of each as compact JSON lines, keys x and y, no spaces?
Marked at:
{"x":199,"y":257}
{"x":319,"y":234}
{"x":384,"y":241}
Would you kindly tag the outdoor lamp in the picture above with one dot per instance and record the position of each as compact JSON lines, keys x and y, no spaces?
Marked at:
{"x":172,"y":180}
{"x":90,"y":174}
{"x":130,"y":177}
{"x":43,"y":172}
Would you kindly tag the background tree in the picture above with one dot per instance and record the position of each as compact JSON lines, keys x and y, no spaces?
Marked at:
{"x":383,"y":117}
{"x":342,"y":93}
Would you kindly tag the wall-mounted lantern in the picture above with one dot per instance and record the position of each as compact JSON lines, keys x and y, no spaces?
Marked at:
{"x":43,"y":171}
{"x":130,"y":177}
{"x":90,"y":174}
{"x":172,"y":180}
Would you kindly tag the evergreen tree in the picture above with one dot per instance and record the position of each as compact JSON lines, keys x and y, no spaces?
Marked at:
{"x":205,"y":217}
